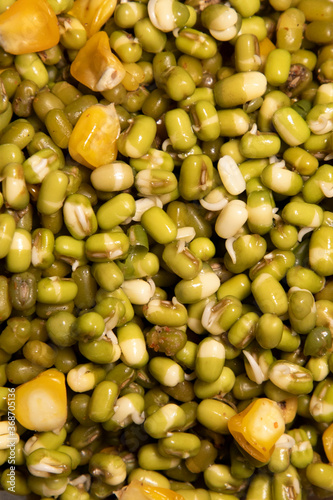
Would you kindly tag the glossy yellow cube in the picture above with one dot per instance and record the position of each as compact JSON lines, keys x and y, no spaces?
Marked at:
{"x":141,"y":491}
{"x":41,"y":403}
{"x":95,"y":66}
{"x":93,"y":13}
{"x":28,"y":26}
{"x":258,"y":427}
{"x":328,"y":442}
{"x":93,"y":141}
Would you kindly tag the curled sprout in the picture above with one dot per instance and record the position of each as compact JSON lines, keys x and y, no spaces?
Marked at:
{"x":229,"y":246}
{"x":84,"y":480}
{"x":143,"y":204}
{"x":323,"y":124}
{"x":257,"y":371}
{"x":285,"y":441}
{"x":185,"y":234}
{"x":326,"y":188}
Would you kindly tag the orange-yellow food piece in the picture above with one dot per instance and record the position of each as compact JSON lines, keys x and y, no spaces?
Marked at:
{"x":41,"y":403}
{"x":93,"y":13}
{"x":28,"y":26}
{"x":265,"y":47}
{"x":95,"y":66}
{"x":258,"y":427}
{"x":93,"y":141}
{"x":141,"y":491}
{"x":328,"y":442}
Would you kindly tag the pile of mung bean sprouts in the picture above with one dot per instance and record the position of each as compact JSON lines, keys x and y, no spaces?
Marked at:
{"x":166,"y":249}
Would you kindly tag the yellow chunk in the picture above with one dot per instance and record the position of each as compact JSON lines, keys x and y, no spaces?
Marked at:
{"x":328,"y":442}
{"x":141,"y":491}
{"x":95,"y":66}
{"x":41,"y":403}
{"x":93,"y":141}
{"x":265,"y":47}
{"x":93,"y":13}
{"x":258,"y":427}
{"x":28,"y":26}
